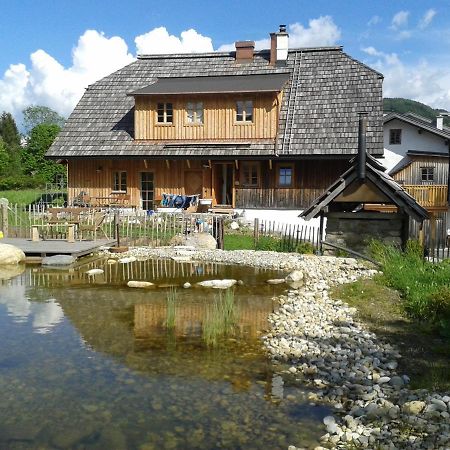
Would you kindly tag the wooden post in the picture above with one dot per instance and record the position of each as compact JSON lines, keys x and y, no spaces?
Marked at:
{"x":321,"y":234}
{"x":116,"y":228}
{"x":4,"y":212}
{"x":432,"y":232}
{"x":71,"y":233}
{"x":256,"y":231}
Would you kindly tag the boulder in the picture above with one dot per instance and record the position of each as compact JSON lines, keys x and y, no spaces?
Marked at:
{"x":217,"y":284}
{"x":127,"y":260}
{"x":296,"y":275}
{"x":276,"y":281}
{"x":201,"y":241}
{"x":415,"y":407}
{"x":234,"y":225}
{"x":58,"y":260}
{"x":140,"y":284}
{"x":187,"y":285}
{"x":9,"y":254}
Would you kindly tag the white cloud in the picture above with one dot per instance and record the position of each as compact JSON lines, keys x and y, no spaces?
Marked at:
{"x":372,"y":51}
{"x":47,"y":82}
{"x":426,"y":82}
{"x":374,"y":20}
{"x":400,"y":19}
{"x":320,"y":32}
{"x":159,"y":41}
{"x":427,"y":19}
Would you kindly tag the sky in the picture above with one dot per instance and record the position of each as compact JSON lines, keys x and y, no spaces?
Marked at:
{"x":51,"y":50}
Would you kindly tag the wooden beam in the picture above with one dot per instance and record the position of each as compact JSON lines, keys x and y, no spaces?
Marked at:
{"x":167,"y":163}
{"x":270,"y":164}
{"x":209,"y":164}
{"x":145,"y":163}
{"x":237,"y":164}
{"x":188,"y":163}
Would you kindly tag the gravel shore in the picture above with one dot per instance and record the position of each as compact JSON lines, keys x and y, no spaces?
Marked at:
{"x":349,"y":368}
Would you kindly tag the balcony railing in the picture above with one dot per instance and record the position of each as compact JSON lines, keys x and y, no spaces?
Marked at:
{"x":428,"y":196}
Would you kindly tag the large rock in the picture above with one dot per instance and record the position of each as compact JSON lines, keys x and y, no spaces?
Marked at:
{"x":201,"y":240}
{"x":58,"y":260}
{"x":415,"y":407}
{"x":9,"y":254}
{"x":217,"y":284}
{"x":296,"y":275}
{"x":140,"y":284}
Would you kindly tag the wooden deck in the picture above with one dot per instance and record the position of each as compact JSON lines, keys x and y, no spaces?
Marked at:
{"x":57,"y":247}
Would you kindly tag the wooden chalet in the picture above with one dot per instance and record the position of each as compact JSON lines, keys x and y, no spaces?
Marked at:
{"x":244,"y":129}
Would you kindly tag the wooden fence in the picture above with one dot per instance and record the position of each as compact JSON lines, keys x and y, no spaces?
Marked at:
{"x":128,"y":226}
{"x":289,"y":235}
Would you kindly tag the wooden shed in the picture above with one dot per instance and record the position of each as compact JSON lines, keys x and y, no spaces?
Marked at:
{"x":348,"y":204}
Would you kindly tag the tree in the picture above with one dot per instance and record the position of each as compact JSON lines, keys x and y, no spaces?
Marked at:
{"x":9,"y":132}
{"x":33,"y":155}
{"x":36,"y":115}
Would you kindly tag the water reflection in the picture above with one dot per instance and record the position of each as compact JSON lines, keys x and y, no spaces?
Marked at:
{"x":43,"y":316}
{"x":145,"y":376}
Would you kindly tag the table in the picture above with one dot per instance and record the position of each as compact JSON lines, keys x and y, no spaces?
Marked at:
{"x":70,"y":230}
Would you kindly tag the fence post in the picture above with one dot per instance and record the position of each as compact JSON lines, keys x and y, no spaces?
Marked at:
{"x":256,"y":231}
{"x":116,"y":228}
{"x":4,"y":213}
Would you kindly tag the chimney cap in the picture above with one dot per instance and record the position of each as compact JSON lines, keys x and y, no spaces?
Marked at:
{"x":244,"y":44}
{"x":282,"y":28}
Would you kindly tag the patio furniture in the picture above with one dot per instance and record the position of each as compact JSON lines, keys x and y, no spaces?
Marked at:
{"x":92,"y":226}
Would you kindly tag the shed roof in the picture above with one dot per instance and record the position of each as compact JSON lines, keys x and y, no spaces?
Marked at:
{"x":216,"y":84}
{"x":377,"y":177}
{"x":317,"y":116}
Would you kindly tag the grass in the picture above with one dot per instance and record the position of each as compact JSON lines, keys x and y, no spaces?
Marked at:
{"x":238,"y":242}
{"x":171,"y":301}
{"x":425,"y":353}
{"x":22,"y":197}
{"x":220,"y":318}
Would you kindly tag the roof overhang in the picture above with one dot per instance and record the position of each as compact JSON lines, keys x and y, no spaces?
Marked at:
{"x":229,"y":84}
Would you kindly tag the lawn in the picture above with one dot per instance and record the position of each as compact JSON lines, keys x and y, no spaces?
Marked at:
{"x":22,"y":197}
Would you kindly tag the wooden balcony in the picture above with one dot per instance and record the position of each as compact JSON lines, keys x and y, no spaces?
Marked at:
{"x":432,"y":196}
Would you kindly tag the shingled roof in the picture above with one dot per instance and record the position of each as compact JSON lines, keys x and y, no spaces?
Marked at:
{"x":318,"y":116}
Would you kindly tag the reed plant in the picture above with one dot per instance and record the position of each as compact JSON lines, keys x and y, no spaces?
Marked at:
{"x":220,"y":318}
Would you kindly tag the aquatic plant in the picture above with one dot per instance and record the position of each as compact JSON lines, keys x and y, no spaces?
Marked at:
{"x":220,"y":318}
{"x":171,"y":300}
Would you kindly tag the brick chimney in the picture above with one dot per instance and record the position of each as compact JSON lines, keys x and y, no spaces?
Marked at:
{"x":279,"y":43}
{"x":244,"y":51}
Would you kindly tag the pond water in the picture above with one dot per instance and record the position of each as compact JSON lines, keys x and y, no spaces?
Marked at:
{"x":88,"y":363}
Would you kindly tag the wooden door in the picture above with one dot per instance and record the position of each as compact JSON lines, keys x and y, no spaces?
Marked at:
{"x":193,"y":182}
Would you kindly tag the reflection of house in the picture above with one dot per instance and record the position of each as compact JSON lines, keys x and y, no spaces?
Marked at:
{"x":249,"y":129}
{"x":421,"y":148}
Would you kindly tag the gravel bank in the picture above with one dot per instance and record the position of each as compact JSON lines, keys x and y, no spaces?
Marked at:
{"x":326,"y":348}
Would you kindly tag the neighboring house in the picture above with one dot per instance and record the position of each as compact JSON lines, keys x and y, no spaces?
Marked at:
{"x":422,"y":150}
{"x":246,"y":129}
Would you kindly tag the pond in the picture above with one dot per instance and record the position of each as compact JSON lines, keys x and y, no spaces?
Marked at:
{"x":88,"y":363}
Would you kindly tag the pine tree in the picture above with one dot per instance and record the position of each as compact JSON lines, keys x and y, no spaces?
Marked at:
{"x":9,"y":132}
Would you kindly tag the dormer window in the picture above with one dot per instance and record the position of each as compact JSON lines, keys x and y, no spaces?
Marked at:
{"x":165,"y":112}
{"x":244,"y":111}
{"x":194,"y":112}
{"x":395,"y":136}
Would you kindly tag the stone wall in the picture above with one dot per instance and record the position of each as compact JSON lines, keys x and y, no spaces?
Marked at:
{"x":355,"y":230}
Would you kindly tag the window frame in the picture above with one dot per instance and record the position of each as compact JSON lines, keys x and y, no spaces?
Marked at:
{"x":120,"y":174}
{"x":165,"y":113}
{"x":196,"y":107}
{"x":288,"y":165}
{"x":427,"y":171}
{"x":244,"y":114}
{"x":245,"y":182}
{"x":395,"y":136}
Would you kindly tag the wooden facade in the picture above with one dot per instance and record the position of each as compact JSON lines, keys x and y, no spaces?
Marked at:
{"x":219,"y":118}
{"x":206,"y":178}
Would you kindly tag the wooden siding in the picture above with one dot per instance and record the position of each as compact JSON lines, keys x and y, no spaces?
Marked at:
{"x":219,"y":119}
{"x":412,"y":173}
{"x":311,"y":178}
{"x":428,"y":196}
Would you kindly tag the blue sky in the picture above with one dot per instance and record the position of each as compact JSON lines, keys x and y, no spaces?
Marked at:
{"x":48,"y":56}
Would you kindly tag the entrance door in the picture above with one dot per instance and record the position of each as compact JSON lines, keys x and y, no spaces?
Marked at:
{"x":223,"y":183}
{"x":193,"y":182}
{"x":147,"y":190}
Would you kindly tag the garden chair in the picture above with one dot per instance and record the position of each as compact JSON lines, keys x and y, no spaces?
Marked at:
{"x":92,"y":226}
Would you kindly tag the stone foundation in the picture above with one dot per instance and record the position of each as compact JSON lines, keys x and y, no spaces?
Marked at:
{"x":355,"y":230}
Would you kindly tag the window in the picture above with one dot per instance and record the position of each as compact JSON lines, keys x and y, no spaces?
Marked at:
{"x":250,"y":174}
{"x":395,"y":136}
{"x":427,"y":174}
{"x":194,"y":112}
{"x":120,"y":181}
{"x":285,"y":175}
{"x":165,"y":112}
{"x":244,"y":111}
